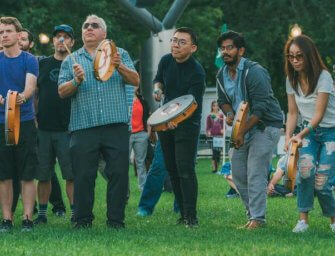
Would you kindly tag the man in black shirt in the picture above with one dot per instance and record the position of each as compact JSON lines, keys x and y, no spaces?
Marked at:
{"x":53,"y":119}
{"x":180,"y":74}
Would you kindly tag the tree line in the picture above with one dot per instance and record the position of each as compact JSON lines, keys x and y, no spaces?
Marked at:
{"x":265,"y":24}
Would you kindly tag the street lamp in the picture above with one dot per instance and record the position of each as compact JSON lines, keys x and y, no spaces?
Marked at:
{"x":295,"y":30}
{"x":44,"y":39}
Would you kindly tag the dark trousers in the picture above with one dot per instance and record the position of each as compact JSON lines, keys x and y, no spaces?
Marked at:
{"x":179,"y":148}
{"x":112,"y":141}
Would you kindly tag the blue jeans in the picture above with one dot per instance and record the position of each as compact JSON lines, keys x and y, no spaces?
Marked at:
{"x":153,"y":186}
{"x":316,"y":168}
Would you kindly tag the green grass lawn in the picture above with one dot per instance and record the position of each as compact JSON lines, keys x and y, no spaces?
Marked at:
{"x":159,"y":235}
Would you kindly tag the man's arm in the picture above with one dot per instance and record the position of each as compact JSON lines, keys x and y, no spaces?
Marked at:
{"x":2,"y":100}
{"x":259,"y":84}
{"x":125,"y":67}
{"x":68,"y":84}
{"x":29,"y":89}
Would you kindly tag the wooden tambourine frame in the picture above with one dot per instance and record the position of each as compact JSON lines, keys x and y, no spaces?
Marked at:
{"x":239,"y":121}
{"x":12,"y":119}
{"x":292,"y":161}
{"x":105,"y":50}
{"x":177,"y":118}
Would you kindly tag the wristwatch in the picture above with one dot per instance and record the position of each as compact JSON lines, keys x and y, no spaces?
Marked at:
{"x":74,"y":82}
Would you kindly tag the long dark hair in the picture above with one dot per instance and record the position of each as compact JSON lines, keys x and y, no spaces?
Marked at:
{"x":313,"y":64}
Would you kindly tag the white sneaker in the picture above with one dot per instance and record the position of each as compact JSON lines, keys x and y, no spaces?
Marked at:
{"x":332,"y":227}
{"x":302,"y":226}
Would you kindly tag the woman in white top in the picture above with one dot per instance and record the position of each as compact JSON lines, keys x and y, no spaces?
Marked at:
{"x":310,"y":92}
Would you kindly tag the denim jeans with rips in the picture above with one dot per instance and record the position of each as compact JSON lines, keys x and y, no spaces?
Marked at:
{"x":316,"y":168}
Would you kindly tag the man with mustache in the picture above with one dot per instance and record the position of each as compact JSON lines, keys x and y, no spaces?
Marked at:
{"x":98,"y":125}
{"x":239,"y":80}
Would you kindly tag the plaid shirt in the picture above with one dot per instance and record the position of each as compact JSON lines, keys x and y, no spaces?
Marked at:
{"x":96,"y":103}
{"x":130,"y":98}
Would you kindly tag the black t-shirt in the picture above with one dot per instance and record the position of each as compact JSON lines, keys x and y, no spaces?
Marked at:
{"x":53,"y":112}
{"x":179,"y":79}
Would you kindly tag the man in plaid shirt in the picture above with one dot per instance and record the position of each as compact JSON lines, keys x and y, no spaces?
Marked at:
{"x":98,"y":124}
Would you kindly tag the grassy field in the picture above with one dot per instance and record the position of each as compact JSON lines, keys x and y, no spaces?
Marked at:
{"x":158,"y":235}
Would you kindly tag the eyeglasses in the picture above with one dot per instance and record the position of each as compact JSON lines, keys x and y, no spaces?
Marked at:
{"x":94,"y":25}
{"x":298,"y":57}
{"x":179,"y":42}
{"x":227,"y":47}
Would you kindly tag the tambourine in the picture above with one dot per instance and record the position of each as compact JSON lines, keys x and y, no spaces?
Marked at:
{"x":103,"y":69}
{"x":240,"y":120}
{"x":291,"y":167}
{"x":12,"y":119}
{"x":176,"y":110}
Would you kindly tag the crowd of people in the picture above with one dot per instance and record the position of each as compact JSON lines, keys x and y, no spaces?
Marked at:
{"x":69,"y":116}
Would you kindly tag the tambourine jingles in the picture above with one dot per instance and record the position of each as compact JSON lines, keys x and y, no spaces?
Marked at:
{"x":239,"y":120}
{"x":292,"y":160}
{"x":103,"y":69}
{"x":176,"y":110}
{"x":12,"y":119}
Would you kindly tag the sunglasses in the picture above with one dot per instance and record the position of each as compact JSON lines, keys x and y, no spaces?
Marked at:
{"x":298,"y":57}
{"x":93,"y":25}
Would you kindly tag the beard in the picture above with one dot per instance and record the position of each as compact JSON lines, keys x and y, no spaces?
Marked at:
{"x":25,"y":48}
{"x":233,"y":60}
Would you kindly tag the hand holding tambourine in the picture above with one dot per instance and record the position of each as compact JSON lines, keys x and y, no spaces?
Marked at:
{"x":2,"y":100}
{"x":116,"y":60}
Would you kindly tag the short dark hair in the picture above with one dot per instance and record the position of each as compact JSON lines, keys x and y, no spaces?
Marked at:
{"x":189,"y":31}
{"x":11,"y":21}
{"x":30,"y":35}
{"x":237,"y":38}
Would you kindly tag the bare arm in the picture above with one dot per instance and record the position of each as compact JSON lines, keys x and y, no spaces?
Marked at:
{"x":69,"y":88}
{"x":292,"y":117}
{"x":274,"y":181}
{"x":320,"y":108}
{"x":229,"y":113}
{"x":2,"y":100}
{"x":29,"y":89}
{"x":130,"y":76}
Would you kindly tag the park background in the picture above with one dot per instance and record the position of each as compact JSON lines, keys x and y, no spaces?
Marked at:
{"x":266,"y":25}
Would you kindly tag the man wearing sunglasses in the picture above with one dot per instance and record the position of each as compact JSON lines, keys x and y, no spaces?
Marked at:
{"x":178,"y":74}
{"x":243,"y":80}
{"x":98,"y":124}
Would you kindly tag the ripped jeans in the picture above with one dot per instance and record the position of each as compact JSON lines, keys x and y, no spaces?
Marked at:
{"x":316,"y":168}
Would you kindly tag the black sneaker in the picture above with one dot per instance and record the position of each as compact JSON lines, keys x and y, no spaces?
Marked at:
{"x":41,"y":220}
{"x":6,"y":226}
{"x":181,"y":221}
{"x":27,"y":225}
{"x":115,"y":225}
{"x":82,"y":225}
{"x":191,"y":222}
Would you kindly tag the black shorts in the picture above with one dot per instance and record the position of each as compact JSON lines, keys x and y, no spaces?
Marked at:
{"x":21,"y":159}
